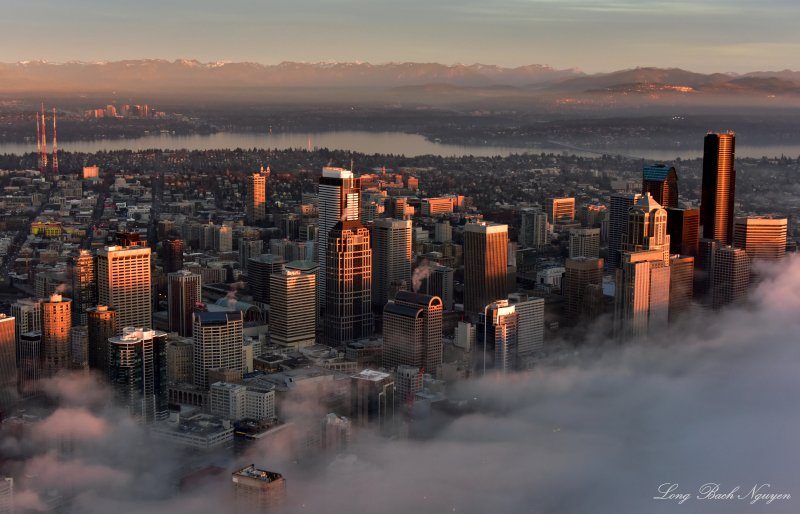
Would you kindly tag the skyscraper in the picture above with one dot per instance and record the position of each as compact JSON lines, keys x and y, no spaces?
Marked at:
{"x":617,"y":224}
{"x":256,"y":491}
{"x":339,"y":200}
{"x":84,"y":286}
{"x":681,"y":285}
{"x":218,"y":341}
{"x":641,"y":300}
{"x":137,"y":371}
{"x":533,"y":229}
{"x":293,"y":309}
{"x":29,"y":369}
{"x":56,"y":325}
{"x":730,"y":276}
{"x":256,"y":206}
{"x":584,"y":242}
{"x":485,"y":265}
{"x":8,"y":364}
{"x":348,"y":293}
{"x":647,"y":228}
{"x":259,"y":271}
{"x":412,"y":332}
{"x":719,"y":187}
{"x":391,"y":256}
{"x":661,"y":182}
{"x":184,"y":292}
{"x":173,"y":255}
{"x":249,"y":248}
{"x":683,"y":227}
{"x":440,"y":283}
{"x":123,"y":283}
{"x":372,"y":397}
{"x":762,"y":237}
{"x":560,"y":209}
{"x":497,"y":335}
{"x":579,"y":274}
{"x":101,"y":325}
{"x":530,"y":323}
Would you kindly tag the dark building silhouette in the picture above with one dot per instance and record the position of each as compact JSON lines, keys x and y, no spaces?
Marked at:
{"x":661,"y":181}
{"x":683,"y":227}
{"x":173,"y":255}
{"x":719,"y":186}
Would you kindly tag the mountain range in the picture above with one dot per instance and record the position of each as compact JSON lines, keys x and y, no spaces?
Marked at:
{"x":172,"y":76}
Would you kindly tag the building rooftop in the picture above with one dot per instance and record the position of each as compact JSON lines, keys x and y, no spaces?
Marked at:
{"x":218,"y":318}
{"x":371,"y":375}
{"x":252,"y":471}
{"x":656,"y":172}
{"x":402,"y":310}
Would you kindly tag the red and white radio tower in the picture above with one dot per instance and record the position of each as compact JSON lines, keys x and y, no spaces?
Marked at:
{"x":55,"y":145}
{"x":44,"y":142}
{"x":39,"y":142}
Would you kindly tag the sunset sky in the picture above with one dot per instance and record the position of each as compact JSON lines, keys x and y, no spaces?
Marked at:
{"x":733,"y":35}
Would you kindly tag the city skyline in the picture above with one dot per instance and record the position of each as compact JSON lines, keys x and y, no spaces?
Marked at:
{"x":541,"y":32}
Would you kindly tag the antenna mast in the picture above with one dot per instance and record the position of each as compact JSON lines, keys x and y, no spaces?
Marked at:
{"x":39,"y":141}
{"x":44,"y":142}
{"x":55,"y":145}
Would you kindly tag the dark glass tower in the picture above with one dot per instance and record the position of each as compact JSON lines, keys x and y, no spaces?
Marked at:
{"x":661,"y":181}
{"x":719,"y":185}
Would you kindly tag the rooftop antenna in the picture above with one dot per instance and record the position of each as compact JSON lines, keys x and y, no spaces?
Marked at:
{"x":55,"y":145}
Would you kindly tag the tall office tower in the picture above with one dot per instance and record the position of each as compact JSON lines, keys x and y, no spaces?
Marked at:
{"x":762,"y":237}
{"x":123,"y":284}
{"x":497,"y":335}
{"x":560,"y":209}
{"x":641,"y":300}
{"x":730,"y":276}
{"x":218,"y":342}
{"x":27,"y":313}
{"x":137,"y":371}
{"x":249,"y":248}
{"x":407,"y":382}
{"x":661,"y":182}
{"x":259,"y":269}
{"x":647,"y":228}
{"x":256,"y":207}
{"x":591,"y":215}
{"x":336,"y":432}
{"x":617,"y":225}
{"x":443,"y":232}
{"x":339,"y":199}
{"x":256,"y":491}
{"x":683,"y":227}
{"x":681,"y":285}
{"x":173,"y":255}
{"x":8,"y":364}
{"x":397,"y":207}
{"x":180,"y":353}
{"x":533,"y":229}
{"x":719,"y":187}
{"x":79,"y":347}
{"x":56,"y":324}
{"x":101,"y":325}
{"x":84,"y":286}
{"x":584,"y":242}
{"x":29,"y":367}
{"x":579,"y":274}
{"x":372,"y":399}
{"x":184,"y":292}
{"x":412,"y":333}
{"x":440,"y":283}
{"x":391,"y":257}
{"x":223,"y":238}
{"x":530,"y":323}
{"x":485,"y":265}
{"x":6,"y":495}
{"x":348,"y":293}
{"x":703,"y":265}
{"x":293,"y":309}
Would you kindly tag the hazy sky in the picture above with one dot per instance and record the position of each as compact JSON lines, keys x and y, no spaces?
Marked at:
{"x":701,"y":35}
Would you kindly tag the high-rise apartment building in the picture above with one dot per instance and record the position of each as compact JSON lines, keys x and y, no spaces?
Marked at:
{"x":218,"y":340}
{"x":530,"y":323}
{"x":683,"y":227}
{"x":339,"y":201}
{"x":293,"y":309}
{"x":719,"y":187}
{"x":661,"y":182}
{"x":180,"y":354}
{"x":412,"y":332}
{"x":84,"y":286}
{"x":259,"y":271}
{"x":617,"y":225}
{"x":533,"y":229}
{"x":497,"y":335}
{"x":256,"y":206}
{"x":762,"y":237}
{"x":184,"y":293}
{"x":56,"y":325}
{"x":560,"y":210}
{"x":8,"y":365}
{"x":123,"y":283}
{"x":256,"y":491}
{"x":348,"y":293}
{"x":391,"y":257}
{"x":730,"y":276}
{"x":101,"y":325}
{"x":137,"y":371}
{"x":584,"y":242}
{"x":485,"y":265}
{"x":579,"y":274}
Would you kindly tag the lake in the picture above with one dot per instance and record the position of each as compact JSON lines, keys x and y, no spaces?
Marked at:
{"x":374,"y":142}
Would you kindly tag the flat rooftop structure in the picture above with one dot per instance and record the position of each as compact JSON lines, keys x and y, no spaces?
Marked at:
{"x":253,"y":472}
{"x":371,"y":375}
